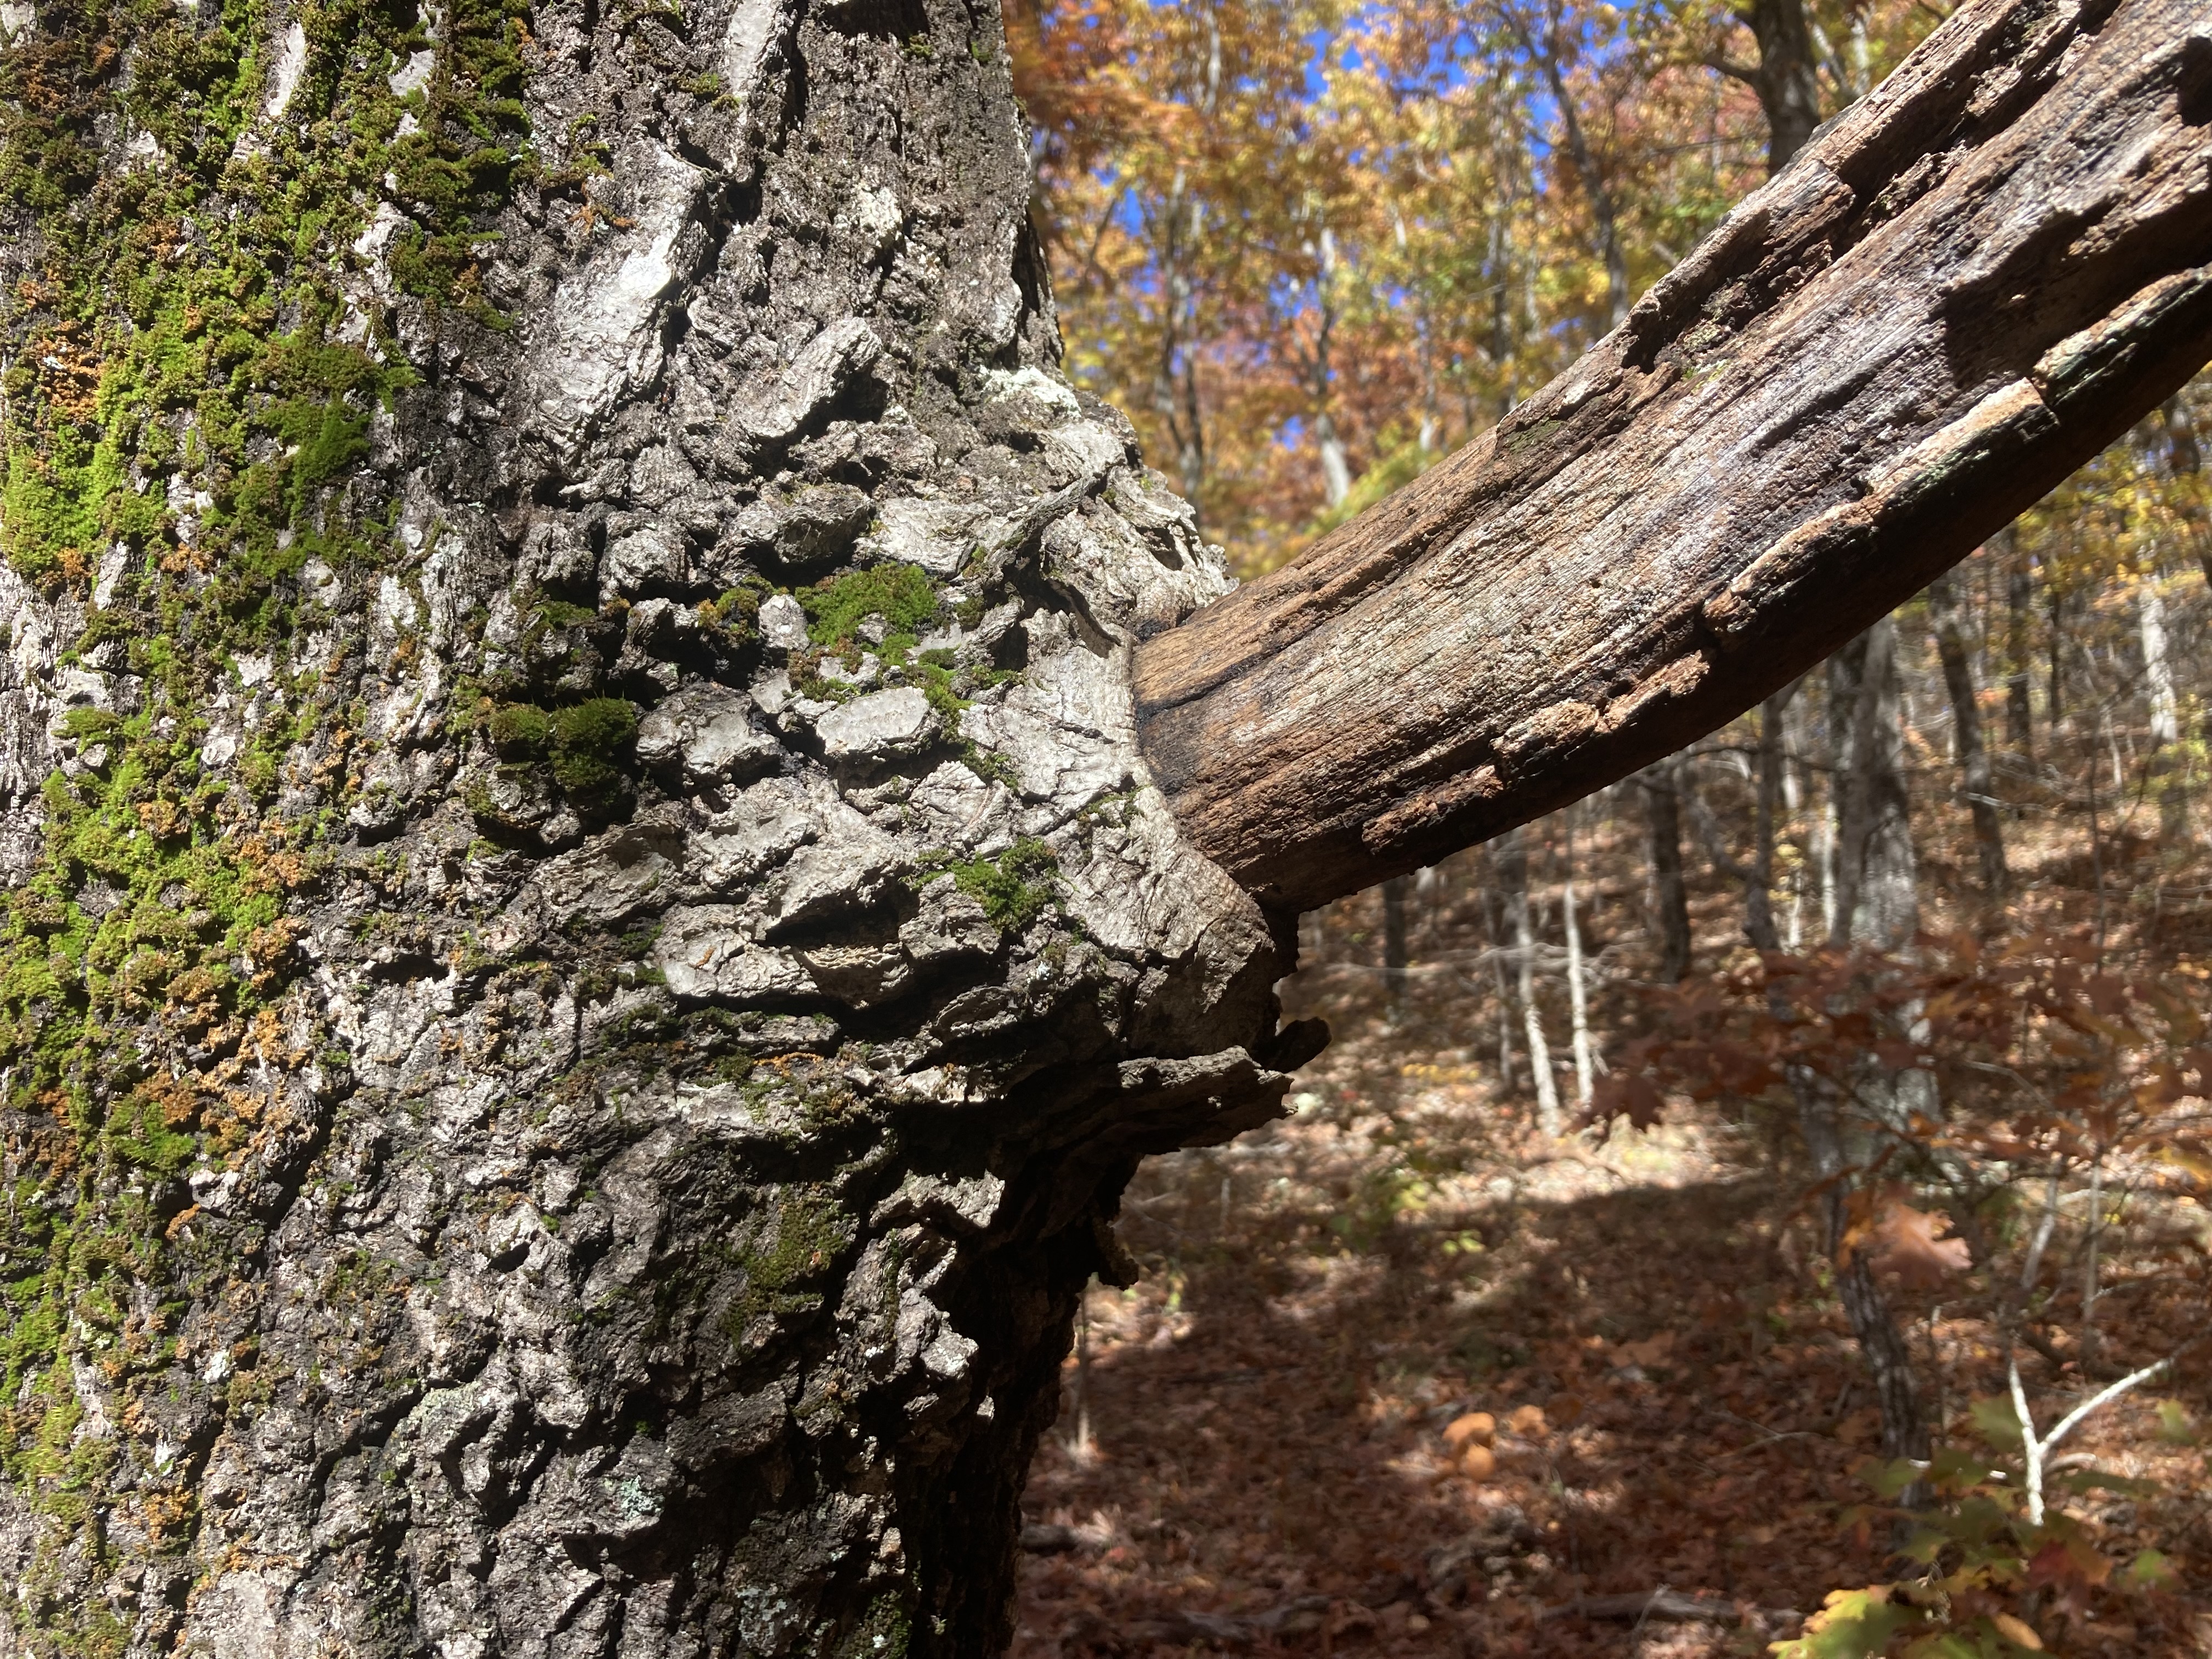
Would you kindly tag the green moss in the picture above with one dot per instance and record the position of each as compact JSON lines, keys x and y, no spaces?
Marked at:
{"x":886,"y":1632}
{"x":1014,"y":888}
{"x":736,"y":612}
{"x":588,"y":741}
{"x":810,"y":1231}
{"x":90,"y":726}
{"x":520,"y":731}
{"x":187,"y":383}
{"x":899,"y":593}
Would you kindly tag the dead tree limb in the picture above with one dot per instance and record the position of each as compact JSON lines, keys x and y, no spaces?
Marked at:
{"x":1963,"y":288}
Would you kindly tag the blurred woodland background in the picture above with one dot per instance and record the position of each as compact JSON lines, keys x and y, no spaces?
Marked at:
{"x":1762,"y":1204}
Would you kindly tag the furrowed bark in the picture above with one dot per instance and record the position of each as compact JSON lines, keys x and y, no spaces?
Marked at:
{"x":586,"y":950}
{"x":1965,"y":286}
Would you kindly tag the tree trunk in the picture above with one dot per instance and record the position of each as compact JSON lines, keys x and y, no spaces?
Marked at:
{"x":1493,"y":920}
{"x":1948,"y":300}
{"x":2054,"y":700}
{"x":1789,"y":89}
{"x":1670,"y":895}
{"x":1394,"y":943}
{"x":1877,"y":872}
{"x":2019,"y":648}
{"x":1976,"y":779}
{"x":1577,"y":988}
{"x":2167,"y":778}
{"x":1877,"y":906}
{"x":563,"y":1078}
{"x":1774,"y":758}
{"x":1548,"y":54}
{"x":1882,"y":1347}
{"x":1513,"y":875}
{"x":590,"y":941}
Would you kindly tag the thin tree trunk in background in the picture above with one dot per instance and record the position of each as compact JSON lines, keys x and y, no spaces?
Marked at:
{"x":1670,"y":896}
{"x":1967,"y":748}
{"x":1175,"y":390}
{"x":1493,"y":911}
{"x":1513,"y":861}
{"x":1577,"y":988}
{"x":1882,"y":1346}
{"x":1335,"y":466}
{"x":1878,"y":905}
{"x":1604,"y":216}
{"x":2019,"y":644}
{"x":1795,"y":794}
{"x":2167,"y":780}
{"x":1394,"y":943}
{"x":2096,"y":825}
{"x":2054,"y":696}
{"x":1759,"y":890}
{"x":1877,"y":883}
{"x":1789,"y":89}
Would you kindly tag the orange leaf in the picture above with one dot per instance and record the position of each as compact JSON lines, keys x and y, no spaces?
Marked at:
{"x":2017,"y":1631}
{"x":1478,"y":1427}
{"x":1910,"y":1244}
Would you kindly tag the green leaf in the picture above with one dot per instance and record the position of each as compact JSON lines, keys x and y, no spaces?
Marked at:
{"x":1944,"y":1644}
{"x":1855,"y":1625}
{"x":1996,"y":1421}
{"x":2102,"y":1479}
{"x":2173,"y":1424}
{"x":2151,"y":1570}
{"x":1890,"y":1478}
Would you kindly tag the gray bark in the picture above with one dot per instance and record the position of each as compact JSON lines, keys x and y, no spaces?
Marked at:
{"x":1877,"y":871}
{"x":1513,"y":875}
{"x":1759,"y":887}
{"x":570,"y":1110}
{"x":1877,"y":906}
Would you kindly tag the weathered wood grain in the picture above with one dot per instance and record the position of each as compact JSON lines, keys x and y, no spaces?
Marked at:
{"x":1961,"y":290}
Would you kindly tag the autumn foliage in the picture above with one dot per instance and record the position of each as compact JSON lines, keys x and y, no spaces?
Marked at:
{"x":1861,"y":1314}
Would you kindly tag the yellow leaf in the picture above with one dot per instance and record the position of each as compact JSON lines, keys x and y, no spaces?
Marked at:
{"x":2017,"y":1630}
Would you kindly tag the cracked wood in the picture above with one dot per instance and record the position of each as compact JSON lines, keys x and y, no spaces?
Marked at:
{"x":1961,"y":290}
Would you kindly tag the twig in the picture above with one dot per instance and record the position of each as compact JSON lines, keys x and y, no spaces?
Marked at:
{"x":1662,"y":1604}
{"x":2037,"y":1449}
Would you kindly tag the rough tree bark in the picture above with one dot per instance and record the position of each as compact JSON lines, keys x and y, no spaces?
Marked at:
{"x":590,"y":941}
{"x":559,"y":1098}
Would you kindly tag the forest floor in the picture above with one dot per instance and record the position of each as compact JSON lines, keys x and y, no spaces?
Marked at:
{"x":1253,"y":1455}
